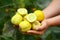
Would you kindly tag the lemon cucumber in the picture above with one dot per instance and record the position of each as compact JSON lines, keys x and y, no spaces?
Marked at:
{"x":36,"y":24}
{"x":24,"y":26}
{"x":16,"y":19}
{"x":39,"y":14}
{"x":31,"y":17}
{"x":22,"y":11}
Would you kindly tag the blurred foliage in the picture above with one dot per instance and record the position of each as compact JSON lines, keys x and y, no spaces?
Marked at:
{"x":7,"y":30}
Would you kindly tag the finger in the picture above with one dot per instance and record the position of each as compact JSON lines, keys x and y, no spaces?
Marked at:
{"x":43,"y":26}
{"x":35,"y":32}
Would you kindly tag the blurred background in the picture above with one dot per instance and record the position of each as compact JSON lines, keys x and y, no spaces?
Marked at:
{"x":8,"y":32}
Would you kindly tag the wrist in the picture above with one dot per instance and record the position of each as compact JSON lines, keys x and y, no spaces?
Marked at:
{"x":45,"y":17}
{"x":46,"y":14}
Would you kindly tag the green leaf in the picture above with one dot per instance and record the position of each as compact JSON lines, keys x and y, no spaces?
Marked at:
{"x":52,"y":33}
{"x":8,"y":29}
{"x":8,"y":32}
{"x":20,"y":3}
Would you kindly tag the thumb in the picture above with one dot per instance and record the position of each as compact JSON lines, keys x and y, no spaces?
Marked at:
{"x":43,"y":26}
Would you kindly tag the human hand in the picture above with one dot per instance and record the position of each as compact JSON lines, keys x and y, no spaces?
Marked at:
{"x":41,"y":29}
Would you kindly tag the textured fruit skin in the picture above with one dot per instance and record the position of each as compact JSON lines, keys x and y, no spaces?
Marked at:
{"x":39,"y":14}
{"x":22,"y":11}
{"x":24,"y":26}
{"x":36,"y":24}
{"x":31,"y":17}
{"x":16,"y":19}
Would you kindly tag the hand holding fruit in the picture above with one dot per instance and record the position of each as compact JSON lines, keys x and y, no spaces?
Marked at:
{"x":27,"y":21}
{"x":39,"y":29}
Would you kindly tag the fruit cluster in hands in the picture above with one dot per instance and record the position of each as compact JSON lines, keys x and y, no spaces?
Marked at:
{"x":27,"y":21}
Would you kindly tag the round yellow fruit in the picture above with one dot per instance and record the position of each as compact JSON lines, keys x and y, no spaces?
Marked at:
{"x":16,"y":19}
{"x":31,"y":17}
{"x":22,"y":11}
{"x":39,"y":14}
{"x":24,"y":26}
{"x":36,"y":24}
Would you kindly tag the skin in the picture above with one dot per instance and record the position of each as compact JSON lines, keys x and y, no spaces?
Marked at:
{"x":51,"y":19}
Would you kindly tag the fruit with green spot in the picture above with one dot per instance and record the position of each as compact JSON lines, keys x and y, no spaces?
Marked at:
{"x":31,"y":17}
{"x":36,"y":24}
{"x":22,"y":11}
